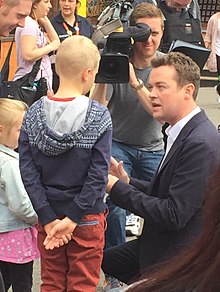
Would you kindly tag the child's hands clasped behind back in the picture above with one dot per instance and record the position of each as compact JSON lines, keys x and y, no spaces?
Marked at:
{"x":59,"y":232}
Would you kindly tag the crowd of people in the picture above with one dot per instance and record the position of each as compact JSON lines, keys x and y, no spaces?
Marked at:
{"x":80,"y":159}
{"x":212,"y":42}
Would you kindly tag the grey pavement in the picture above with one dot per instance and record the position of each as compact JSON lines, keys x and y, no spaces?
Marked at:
{"x":207,"y":100}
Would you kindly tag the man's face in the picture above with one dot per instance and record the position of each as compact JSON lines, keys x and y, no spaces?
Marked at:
{"x":148,"y":48}
{"x":11,"y":17}
{"x":167,"y":98}
{"x":177,"y":5}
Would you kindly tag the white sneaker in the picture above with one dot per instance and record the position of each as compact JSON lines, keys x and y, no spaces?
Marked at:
{"x":133,"y":224}
{"x":112,"y":285}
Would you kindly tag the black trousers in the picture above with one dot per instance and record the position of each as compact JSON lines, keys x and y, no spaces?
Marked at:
{"x":2,"y":286}
{"x":122,"y":261}
{"x":19,"y":276}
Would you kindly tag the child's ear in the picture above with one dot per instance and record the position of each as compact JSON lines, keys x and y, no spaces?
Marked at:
{"x":86,"y":73}
{"x":1,"y":130}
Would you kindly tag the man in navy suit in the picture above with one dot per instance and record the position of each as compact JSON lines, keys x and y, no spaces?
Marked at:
{"x":171,"y":204}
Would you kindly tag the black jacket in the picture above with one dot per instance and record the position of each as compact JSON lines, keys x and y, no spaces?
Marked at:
{"x":171,"y":204}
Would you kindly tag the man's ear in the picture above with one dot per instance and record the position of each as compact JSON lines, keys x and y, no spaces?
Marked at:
{"x":189,"y":90}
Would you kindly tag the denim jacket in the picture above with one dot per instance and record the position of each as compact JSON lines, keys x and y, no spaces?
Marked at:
{"x":16,"y":210}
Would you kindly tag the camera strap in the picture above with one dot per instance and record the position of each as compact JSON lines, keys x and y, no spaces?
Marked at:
{"x":106,"y":29}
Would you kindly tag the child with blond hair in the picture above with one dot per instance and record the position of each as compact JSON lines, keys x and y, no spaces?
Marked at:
{"x":65,"y":147}
{"x":18,"y":234}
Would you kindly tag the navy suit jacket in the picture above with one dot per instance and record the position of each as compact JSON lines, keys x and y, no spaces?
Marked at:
{"x":171,"y":203}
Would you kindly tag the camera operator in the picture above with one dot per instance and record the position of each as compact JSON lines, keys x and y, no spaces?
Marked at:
{"x":182,"y":21}
{"x":137,"y":137}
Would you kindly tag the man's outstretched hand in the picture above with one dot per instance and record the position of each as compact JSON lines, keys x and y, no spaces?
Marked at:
{"x":117,"y":169}
{"x":116,"y":172}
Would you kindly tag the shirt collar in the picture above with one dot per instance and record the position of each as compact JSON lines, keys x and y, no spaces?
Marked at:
{"x":174,"y":131}
{"x":61,"y":19}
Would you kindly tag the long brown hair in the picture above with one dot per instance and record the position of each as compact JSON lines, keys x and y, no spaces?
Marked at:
{"x":197,"y":268}
{"x":33,"y":7}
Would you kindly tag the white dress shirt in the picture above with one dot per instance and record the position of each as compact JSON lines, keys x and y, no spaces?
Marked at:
{"x":173,"y":131}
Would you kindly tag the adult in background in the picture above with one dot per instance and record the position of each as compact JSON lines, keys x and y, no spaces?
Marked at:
{"x":13,"y":14}
{"x":67,"y":23}
{"x":172,"y":203}
{"x":212,"y":41}
{"x":182,"y":21}
{"x":137,"y":137}
{"x":34,"y":41}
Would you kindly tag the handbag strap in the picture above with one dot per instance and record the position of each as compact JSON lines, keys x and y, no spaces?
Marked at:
{"x":5,"y":67}
{"x":34,"y":71}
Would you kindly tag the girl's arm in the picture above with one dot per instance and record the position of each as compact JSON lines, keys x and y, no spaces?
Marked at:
{"x":15,"y":193}
{"x":47,"y":25}
{"x":28,"y":43}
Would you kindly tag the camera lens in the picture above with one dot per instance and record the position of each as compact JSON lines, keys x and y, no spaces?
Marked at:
{"x":112,"y":67}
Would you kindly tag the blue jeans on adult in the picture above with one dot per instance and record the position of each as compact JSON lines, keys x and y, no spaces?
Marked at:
{"x":137,"y":163}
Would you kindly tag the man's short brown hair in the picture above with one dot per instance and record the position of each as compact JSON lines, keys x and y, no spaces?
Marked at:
{"x":187,"y":71}
{"x":147,"y":10}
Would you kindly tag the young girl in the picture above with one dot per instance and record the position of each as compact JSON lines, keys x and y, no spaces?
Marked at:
{"x":18,"y":235}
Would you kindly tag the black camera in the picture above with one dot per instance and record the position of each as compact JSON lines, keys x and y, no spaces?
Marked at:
{"x":117,"y":48}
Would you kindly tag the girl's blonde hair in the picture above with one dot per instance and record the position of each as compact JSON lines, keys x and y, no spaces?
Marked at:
{"x":9,"y":109}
